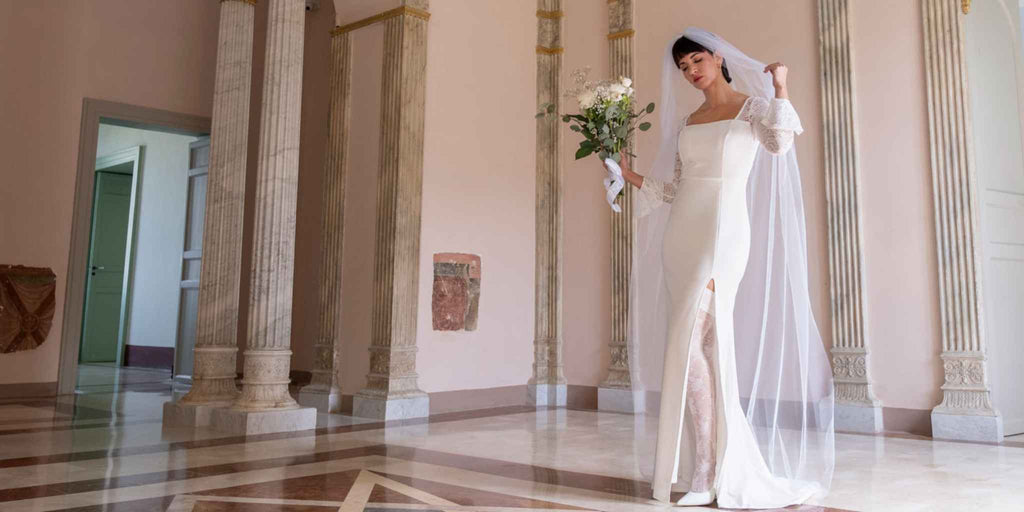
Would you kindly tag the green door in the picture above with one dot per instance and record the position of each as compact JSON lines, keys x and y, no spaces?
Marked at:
{"x":105,"y":284}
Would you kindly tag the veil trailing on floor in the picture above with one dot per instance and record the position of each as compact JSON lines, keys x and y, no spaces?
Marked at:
{"x":783,"y":373}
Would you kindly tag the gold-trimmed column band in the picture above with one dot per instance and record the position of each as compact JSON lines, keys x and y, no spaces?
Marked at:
{"x":549,"y":29}
{"x":622,"y":34}
{"x":377,"y":18}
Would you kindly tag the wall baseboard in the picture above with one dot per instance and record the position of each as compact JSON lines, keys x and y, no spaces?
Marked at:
{"x":577,"y":397}
{"x":469,"y":399}
{"x":28,"y":390}
{"x":149,"y":357}
{"x":907,"y":421}
{"x":581,"y":397}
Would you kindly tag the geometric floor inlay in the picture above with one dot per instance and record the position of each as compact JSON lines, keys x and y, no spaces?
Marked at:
{"x":357,"y":490}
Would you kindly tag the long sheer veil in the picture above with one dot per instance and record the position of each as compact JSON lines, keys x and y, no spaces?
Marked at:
{"x":785,"y":380}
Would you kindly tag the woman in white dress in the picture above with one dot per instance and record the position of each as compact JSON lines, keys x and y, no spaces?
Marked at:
{"x":745,"y":412}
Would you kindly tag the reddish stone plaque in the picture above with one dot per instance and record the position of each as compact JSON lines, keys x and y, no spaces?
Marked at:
{"x":456,"y":299}
{"x":26,"y":306}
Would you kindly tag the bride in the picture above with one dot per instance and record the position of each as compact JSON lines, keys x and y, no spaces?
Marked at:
{"x":720,"y":313}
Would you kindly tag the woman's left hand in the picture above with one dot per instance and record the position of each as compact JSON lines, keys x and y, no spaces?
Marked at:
{"x":779,"y":72}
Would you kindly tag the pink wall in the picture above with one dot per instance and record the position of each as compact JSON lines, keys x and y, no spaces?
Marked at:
{"x":478,"y":188}
{"x":144,"y":52}
{"x":901,"y":294}
{"x":587,"y":302}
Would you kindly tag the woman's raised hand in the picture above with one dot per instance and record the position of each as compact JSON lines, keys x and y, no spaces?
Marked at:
{"x":779,"y":73}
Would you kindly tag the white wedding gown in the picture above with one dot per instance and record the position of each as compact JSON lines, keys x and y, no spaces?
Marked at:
{"x":704,"y":438}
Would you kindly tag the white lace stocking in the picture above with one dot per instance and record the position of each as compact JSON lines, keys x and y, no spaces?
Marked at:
{"x":700,"y":395}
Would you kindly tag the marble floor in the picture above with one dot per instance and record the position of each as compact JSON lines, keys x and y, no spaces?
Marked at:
{"x":104,"y":449}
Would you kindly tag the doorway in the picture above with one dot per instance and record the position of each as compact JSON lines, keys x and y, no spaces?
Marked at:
{"x":124,"y":276}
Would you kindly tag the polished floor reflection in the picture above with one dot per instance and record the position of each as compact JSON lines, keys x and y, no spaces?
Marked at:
{"x":105,"y":449}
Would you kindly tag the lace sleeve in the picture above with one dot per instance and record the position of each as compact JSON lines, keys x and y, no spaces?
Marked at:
{"x":775,"y":123}
{"x":655,"y":192}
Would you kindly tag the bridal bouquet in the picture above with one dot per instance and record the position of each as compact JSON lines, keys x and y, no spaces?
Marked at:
{"x":606,"y":121}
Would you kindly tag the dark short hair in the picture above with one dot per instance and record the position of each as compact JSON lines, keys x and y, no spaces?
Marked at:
{"x":685,"y":46}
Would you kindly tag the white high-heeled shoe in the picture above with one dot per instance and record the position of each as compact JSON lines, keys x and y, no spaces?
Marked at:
{"x":694,"y":499}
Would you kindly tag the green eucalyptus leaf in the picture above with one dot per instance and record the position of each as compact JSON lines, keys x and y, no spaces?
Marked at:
{"x":583,"y":152}
{"x":575,"y":128}
{"x":540,"y":115}
{"x":551,"y":107}
{"x":650,"y":107}
{"x":644,"y":126}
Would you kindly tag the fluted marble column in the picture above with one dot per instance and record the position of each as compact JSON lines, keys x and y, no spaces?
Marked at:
{"x":547,"y":386}
{"x":324,"y":391}
{"x":213,"y":377}
{"x":857,"y":409}
{"x":391,"y":390}
{"x":265,"y":405}
{"x":617,"y":392}
{"x":966,"y":411}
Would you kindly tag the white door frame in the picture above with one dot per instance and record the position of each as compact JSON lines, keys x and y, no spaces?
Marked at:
{"x":120,"y":114}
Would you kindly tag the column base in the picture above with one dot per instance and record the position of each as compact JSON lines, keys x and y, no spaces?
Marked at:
{"x":629,"y":401}
{"x":391,"y":408}
{"x":234,"y":421}
{"x":182,"y":382}
{"x":543,"y":395}
{"x":967,"y":427}
{"x":863,"y":419}
{"x":177,"y":414}
{"x":323,"y":401}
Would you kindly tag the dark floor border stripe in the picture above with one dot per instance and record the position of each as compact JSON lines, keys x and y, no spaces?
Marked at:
{"x":78,"y":426}
{"x":69,"y":411}
{"x":150,"y":504}
{"x":223,"y":441}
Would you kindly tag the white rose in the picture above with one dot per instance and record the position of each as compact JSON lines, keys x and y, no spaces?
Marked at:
{"x":626,"y":82}
{"x":618,"y":89}
{"x":586,"y":99}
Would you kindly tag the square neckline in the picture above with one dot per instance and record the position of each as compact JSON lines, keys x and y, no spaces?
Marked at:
{"x":686,"y":120}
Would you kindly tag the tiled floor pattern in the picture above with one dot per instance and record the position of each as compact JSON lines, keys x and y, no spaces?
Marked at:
{"x":105,"y":450}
